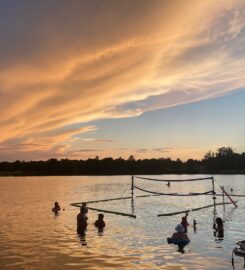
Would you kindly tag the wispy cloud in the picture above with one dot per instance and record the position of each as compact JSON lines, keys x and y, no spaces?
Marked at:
{"x":97,"y":140}
{"x":65,"y":63}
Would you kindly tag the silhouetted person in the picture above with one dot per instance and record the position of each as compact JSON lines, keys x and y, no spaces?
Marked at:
{"x":82,"y":220}
{"x":231,"y":190}
{"x":184,"y":222}
{"x":84,"y":208}
{"x":180,"y":233}
{"x":168,"y":184}
{"x":218,"y":228}
{"x":100,"y":224}
{"x":56,"y":208}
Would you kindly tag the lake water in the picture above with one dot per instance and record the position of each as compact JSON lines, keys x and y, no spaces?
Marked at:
{"x":32,"y":237}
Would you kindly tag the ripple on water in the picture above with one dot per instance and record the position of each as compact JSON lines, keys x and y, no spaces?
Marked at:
{"x":31,"y":237}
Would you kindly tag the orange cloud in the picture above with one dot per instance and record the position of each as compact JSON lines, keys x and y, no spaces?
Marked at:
{"x":76,"y":62}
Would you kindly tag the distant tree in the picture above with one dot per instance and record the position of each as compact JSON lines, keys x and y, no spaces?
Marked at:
{"x":192,"y":166}
{"x":131,"y":158}
{"x":225,"y":152}
{"x":209,"y":155}
{"x":178,"y":166}
{"x":224,"y":160}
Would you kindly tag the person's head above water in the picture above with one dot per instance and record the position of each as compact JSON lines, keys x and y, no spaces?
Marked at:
{"x":179,"y":228}
{"x":100,"y":216}
{"x":56,"y":208}
{"x":84,"y":208}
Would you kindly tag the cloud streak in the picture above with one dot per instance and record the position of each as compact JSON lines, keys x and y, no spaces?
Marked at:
{"x":68,"y":63}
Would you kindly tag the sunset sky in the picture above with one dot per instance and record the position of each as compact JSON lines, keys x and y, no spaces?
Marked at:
{"x":149,"y":78}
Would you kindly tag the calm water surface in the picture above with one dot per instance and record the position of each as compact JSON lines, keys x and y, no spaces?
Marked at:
{"x":31,"y":237}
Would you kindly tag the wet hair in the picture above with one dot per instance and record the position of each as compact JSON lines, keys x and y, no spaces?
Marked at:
{"x":100,"y":216}
{"x":56,"y":203}
{"x":84,"y":204}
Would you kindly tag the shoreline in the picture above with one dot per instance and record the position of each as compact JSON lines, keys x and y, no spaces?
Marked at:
{"x":20,"y":174}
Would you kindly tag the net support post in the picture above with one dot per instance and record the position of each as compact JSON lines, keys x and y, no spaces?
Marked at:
{"x":226,"y":193}
{"x":214,"y":194}
{"x":132,"y":195}
{"x":223,"y":196}
{"x":132,"y":186}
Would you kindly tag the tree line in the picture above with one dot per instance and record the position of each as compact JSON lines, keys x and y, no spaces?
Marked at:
{"x":224,"y":160}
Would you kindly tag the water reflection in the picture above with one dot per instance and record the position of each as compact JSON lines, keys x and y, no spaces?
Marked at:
{"x":194,"y":226}
{"x":132,"y":204}
{"x":128,"y":244}
{"x":81,"y":232}
{"x":181,"y":248}
{"x":100,"y":231}
{"x":56,"y":214}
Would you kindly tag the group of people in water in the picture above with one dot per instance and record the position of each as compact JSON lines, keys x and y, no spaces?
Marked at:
{"x":181,"y":238}
{"x":82,"y":220}
{"x":82,"y":223}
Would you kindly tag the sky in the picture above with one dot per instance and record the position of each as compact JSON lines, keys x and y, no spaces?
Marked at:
{"x":148,"y":78}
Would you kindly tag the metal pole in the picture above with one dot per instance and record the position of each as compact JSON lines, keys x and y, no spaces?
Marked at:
{"x":214,"y":197}
{"x":132,"y":205}
{"x":229,"y":197}
{"x":132,"y":197}
{"x":112,"y":212}
{"x":132,"y":186}
{"x":223,"y":194}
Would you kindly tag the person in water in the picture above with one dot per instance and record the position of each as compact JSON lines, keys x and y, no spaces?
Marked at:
{"x":82,"y":219}
{"x":82,"y":226}
{"x":168,"y":183}
{"x":100,"y":223}
{"x":56,"y":208}
{"x":218,"y":227}
{"x":180,"y":236}
{"x":184,"y":222}
{"x":180,"y":233}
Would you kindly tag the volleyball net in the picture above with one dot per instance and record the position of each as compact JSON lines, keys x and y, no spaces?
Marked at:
{"x":178,"y":192}
{"x":164,"y":191}
{"x":169,"y":181}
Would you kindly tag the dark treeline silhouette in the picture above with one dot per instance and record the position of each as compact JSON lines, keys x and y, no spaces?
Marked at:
{"x":224,"y":160}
